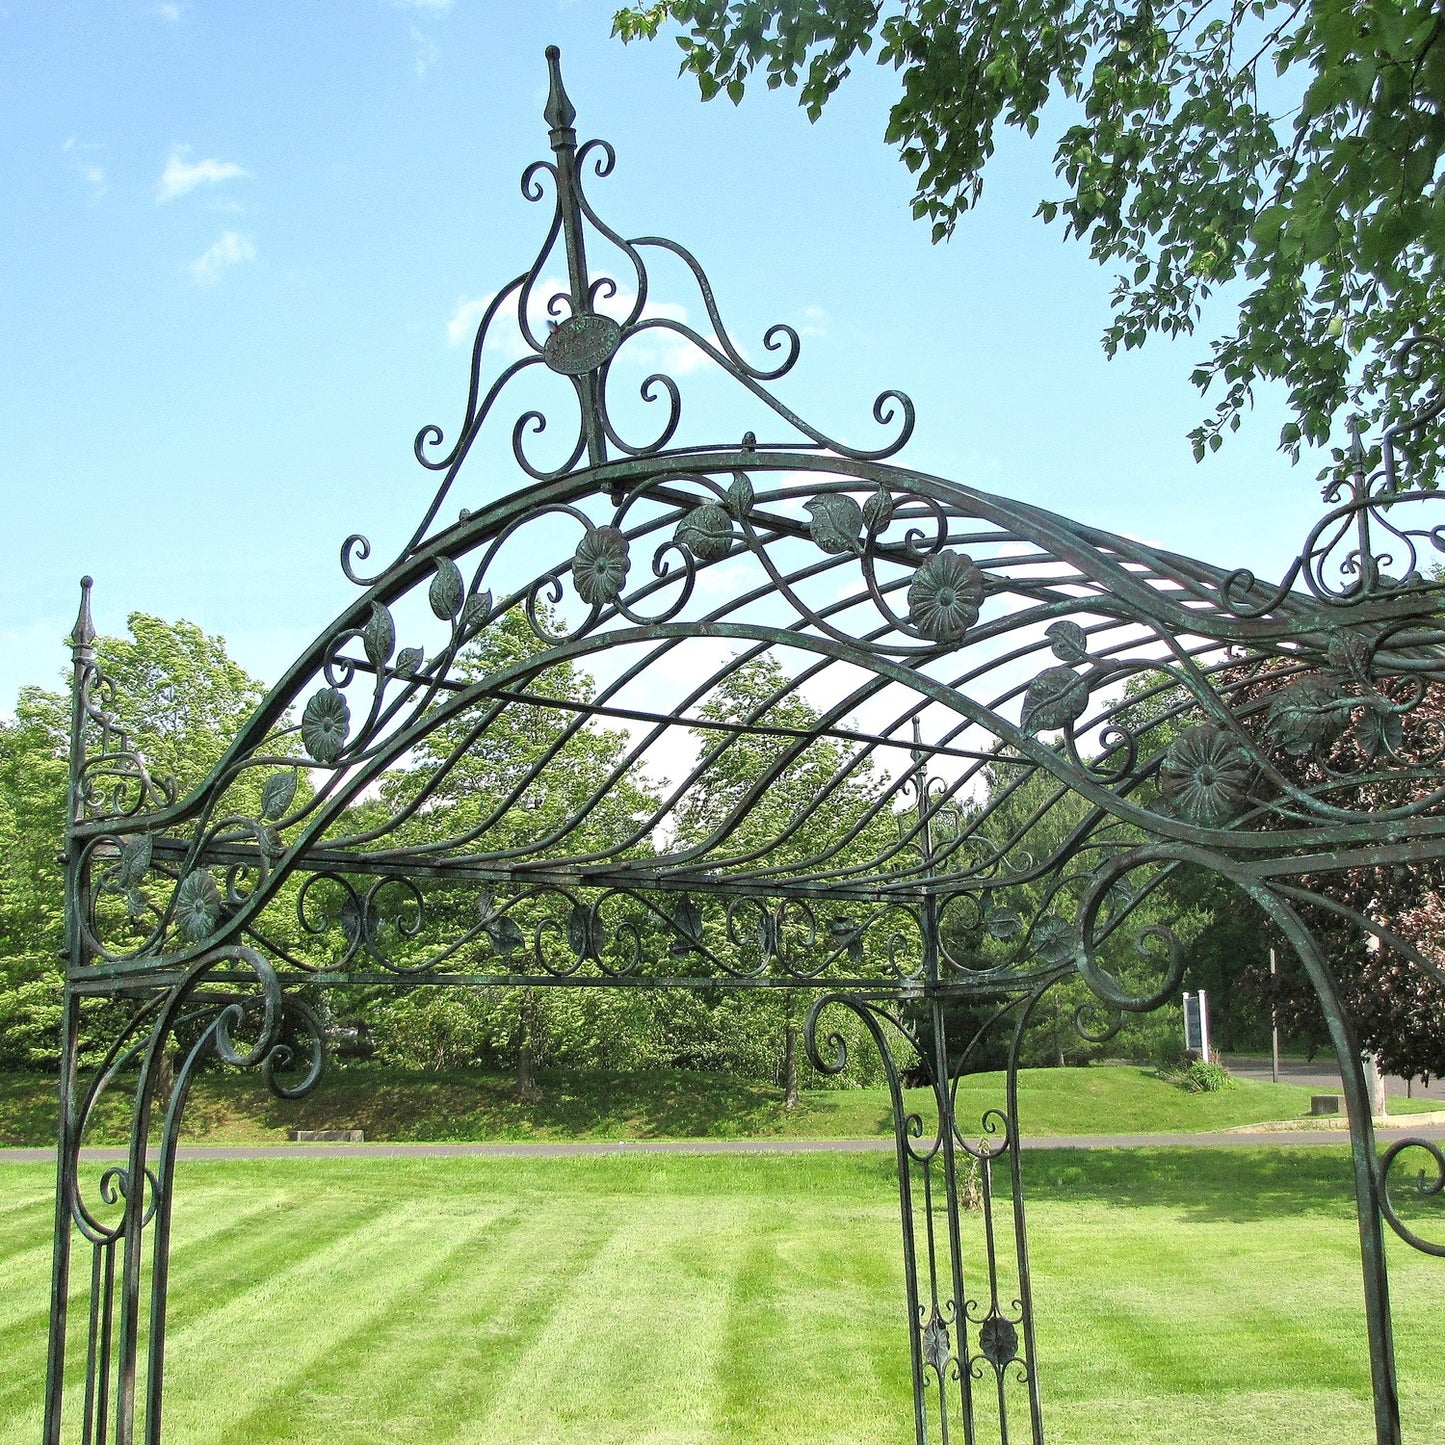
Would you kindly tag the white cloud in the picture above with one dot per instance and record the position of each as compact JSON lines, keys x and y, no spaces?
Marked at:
{"x":427,"y":51}
{"x":467,"y":317}
{"x":230,"y":250}
{"x":815,"y":322}
{"x":657,"y":348}
{"x":167,"y":11}
{"x":181,"y":176}
{"x":92,"y":174}
{"x":429,"y":7}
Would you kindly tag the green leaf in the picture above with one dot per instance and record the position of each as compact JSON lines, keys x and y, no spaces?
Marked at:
{"x":276,"y":794}
{"x":740,"y":496}
{"x":408,"y":660}
{"x":878,"y":511}
{"x":378,"y":637}
{"x":445,"y":592}
{"x":1056,"y":698}
{"x":1067,"y":641}
{"x":836,"y":522}
{"x":135,"y":860}
{"x":707,"y":532}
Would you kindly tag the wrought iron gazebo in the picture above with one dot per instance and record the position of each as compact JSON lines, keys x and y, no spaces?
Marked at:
{"x":1010,"y":731}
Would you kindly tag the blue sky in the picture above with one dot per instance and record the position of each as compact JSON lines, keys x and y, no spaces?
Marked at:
{"x":239,"y":239}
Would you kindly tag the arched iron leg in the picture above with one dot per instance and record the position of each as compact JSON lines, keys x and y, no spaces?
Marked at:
{"x":1362,"y":1149}
{"x":1372,"y":1234}
{"x":60,"y":1260}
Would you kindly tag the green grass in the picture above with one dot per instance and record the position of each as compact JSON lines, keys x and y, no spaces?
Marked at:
{"x":1181,"y":1295}
{"x":393,"y":1105}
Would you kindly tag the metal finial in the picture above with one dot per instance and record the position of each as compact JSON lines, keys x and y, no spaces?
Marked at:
{"x":83,"y":634}
{"x":559,"y":112}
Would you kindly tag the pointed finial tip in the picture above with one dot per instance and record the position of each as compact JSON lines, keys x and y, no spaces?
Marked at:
{"x":559,"y":112}
{"x":83,"y":633}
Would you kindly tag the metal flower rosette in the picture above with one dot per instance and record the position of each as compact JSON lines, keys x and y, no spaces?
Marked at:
{"x":1010,"y":729}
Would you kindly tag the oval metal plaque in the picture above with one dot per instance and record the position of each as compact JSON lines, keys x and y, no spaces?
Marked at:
{"x":581,"y":343}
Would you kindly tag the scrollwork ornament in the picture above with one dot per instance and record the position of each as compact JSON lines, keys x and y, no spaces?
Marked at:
{"x":1427,"y":1185}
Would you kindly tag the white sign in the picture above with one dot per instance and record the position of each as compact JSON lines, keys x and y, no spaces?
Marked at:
{"x":1196,"y":1023}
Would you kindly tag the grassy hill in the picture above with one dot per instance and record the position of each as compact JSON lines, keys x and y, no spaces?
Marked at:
{"x":395,"y":1105}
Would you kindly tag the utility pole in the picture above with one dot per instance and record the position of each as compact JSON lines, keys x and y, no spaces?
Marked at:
{"x":1273,"y":1024}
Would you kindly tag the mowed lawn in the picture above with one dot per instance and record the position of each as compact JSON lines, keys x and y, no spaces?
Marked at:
{"x":1182,"y":1296}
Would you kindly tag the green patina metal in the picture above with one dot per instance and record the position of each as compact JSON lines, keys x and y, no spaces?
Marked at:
{"x":1034,"y":723}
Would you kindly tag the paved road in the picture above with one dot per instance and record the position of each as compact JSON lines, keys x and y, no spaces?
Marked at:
{"x":1233,"y":1140}
{"x":1321,"y":1075}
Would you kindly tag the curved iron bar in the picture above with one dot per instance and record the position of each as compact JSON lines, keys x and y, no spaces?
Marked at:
{"x":998,"y":719}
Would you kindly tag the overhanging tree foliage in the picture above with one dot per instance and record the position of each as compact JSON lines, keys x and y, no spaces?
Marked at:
{"x":1287,"y":150}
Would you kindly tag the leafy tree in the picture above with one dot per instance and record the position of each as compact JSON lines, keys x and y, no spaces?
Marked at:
{"x":511,"y":777}
{"x":182,"y":697}
{"x":1288,"y":149}
{"x":1397,"y":1009}
{"x":1028,"y":821}
{"x":780,"y":806}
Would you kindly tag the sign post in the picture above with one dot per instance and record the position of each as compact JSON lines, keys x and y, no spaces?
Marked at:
{"x":1196,"y":1024}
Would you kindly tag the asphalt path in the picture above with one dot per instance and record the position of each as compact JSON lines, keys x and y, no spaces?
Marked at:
{"x":1241,"y":1139}
{"x":1323,"y":1076}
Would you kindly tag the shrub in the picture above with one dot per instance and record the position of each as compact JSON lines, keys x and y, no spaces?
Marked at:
{"x":1206,"y":1078}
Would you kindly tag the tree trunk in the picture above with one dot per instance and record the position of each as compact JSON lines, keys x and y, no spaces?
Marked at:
{"x":527,"y":1090}
{"x":165,"y":1076}
{"x":1375,"y":1082}
{"x":790,"y":1060}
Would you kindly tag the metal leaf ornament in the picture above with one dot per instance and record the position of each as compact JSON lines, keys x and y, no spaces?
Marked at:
{"x":936,"y":1345}
{"x":707,"y":531}
{"x":505,"y":934}
{"x":135,"y":860}
{"x":584,"y":932}
{"x":998,"y":1341}
{"x":1053,"y":939}
{"x":688,"y":922}
{"x":1307,"y":716}
{"x":740,"y":496}
{"x":878,"y":511}
{"x":276,"y":794}
{"x":944,"y":596}
{"x":1056,"y":698}
{"x":1067,"y":641}
{"x":445,"y":592}
{"x":325,"y":725}
{"x":198,"y":906}
{"x":836,"y":523}
{"x":1205,"y":775}
{"x":378,"y":637}
{"x":1379,"y":730}
{"x":1002,"y":923}
{"x":599,"y":566}
{"x":846,"y":934}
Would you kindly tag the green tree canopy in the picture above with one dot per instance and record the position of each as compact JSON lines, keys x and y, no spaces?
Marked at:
{"x":1287,"y":149}
{"x":182,"y":698}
